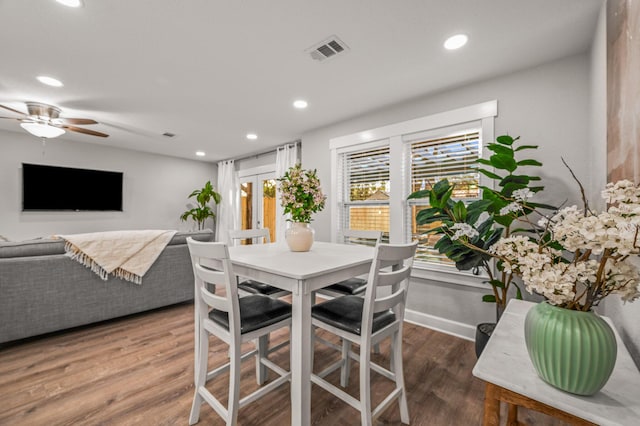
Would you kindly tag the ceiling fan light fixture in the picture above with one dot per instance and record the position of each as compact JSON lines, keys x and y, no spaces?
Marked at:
{"x":42,"y":130}
{"x":252,"y":136}
{"x":70,"y":3}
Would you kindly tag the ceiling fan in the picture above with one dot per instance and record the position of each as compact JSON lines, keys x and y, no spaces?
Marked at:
{"x":44,"y":121}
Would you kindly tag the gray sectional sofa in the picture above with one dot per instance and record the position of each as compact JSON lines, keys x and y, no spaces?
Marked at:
{"x":42,"y":290}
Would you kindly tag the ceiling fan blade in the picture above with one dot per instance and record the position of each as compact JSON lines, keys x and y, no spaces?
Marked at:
{"x":13,"y":118}
{"x":81,"y":121}
{"x":12,"y":110}
{"x":85,"y":131}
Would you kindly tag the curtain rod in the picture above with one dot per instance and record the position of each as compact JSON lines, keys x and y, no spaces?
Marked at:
{"x":257,"y":154}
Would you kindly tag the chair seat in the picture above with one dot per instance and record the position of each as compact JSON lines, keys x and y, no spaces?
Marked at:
{"x":349,"y":287}
{"x":256,"y":287}
{"x":256,"y":311}
{"x":345,"y":313}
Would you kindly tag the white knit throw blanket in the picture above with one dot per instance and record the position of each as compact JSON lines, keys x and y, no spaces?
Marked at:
{"x":125,"y":254}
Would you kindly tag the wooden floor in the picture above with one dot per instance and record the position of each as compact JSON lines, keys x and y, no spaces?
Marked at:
{"x":138,"y":371}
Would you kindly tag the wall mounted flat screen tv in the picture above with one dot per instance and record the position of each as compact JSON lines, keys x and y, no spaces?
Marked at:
{"x":49,"y":188}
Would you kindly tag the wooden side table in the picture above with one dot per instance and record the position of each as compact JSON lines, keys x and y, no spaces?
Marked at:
{"x":511,"y":378}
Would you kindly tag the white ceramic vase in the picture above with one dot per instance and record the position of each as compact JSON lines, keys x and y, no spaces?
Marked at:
{"x":299,"y":236}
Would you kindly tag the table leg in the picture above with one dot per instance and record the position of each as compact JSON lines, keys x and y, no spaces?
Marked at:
{"x":491,"y":406}
{"x":301,"y":358}
{"x":512,"y":416}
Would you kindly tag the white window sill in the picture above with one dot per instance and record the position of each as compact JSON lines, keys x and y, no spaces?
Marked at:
{"x":450,"y":276}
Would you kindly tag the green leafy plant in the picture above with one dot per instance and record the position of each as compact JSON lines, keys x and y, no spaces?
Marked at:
{"x":469,"y":230}
{"x":203,"y":211}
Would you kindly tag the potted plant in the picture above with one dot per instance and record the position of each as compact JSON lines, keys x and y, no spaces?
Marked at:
{"x":301,"y":196}
{"x":468,"y":230}
{"x":203,"y":211}
{"x":581,"y":258}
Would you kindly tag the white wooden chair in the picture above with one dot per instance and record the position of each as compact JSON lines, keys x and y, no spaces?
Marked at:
{"x":258,"y":236}
{"x":233,"y":320}
{"x":366,"y":321}
{"x":352,"y":286}
{"x":356,"y":285}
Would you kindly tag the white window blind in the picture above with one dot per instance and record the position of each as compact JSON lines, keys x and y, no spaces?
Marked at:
{"x":450,"y":156}
{"x":364,"y":179}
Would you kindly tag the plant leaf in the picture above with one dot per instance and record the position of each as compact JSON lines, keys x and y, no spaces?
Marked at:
{"x":521,"y":147}
{"x":489,"y":174}
{"x":489,"y":298}
{"x":529,"y":162}
{"x":501,"y":149}
{"x":505,"y":140}
{"x":503,"y":162}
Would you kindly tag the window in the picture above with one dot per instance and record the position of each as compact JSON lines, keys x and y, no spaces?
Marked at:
{"x":365,"y":184}
{"x":451,"y":155}
{"x":374,"y":171}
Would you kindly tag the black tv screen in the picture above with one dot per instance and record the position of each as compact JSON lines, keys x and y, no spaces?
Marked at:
{"x":65,"y":188}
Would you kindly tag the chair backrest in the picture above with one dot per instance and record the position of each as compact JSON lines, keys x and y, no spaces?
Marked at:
{"x":257,"y":235}
{"x":391,"y":267}
{"x":211,"y":265}
{"x":358,"y":236}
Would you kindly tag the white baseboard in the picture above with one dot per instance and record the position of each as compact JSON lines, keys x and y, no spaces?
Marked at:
{"x":454,"y":328}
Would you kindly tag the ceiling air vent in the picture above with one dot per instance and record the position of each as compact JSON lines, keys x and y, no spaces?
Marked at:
{"x":327,"y":49}
{"x":168,"y":134}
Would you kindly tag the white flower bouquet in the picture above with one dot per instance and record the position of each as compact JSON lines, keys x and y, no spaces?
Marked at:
{"x":582,"y":256}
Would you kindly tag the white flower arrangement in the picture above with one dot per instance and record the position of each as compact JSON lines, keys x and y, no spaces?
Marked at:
{"x":600,"y":244}
{"x":301,"y":194}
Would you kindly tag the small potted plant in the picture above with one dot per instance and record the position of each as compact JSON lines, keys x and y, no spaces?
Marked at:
{"x":203,"y":210}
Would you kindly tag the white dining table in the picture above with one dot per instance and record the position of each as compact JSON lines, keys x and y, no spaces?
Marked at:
{"x":301,"y":273}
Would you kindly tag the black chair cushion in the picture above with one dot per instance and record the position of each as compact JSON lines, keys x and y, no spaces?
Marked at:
{"x":349,"y":287}
{"x":345,"y":313}
{"x":256,"y":311}
{"x":256,"y":287}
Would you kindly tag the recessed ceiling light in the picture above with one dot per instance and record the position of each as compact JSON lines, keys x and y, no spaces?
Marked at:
{"x":70,"y":3}
{"x":300,"y":104}
{"x":252,"y":136}
{"x":456,"y":42}
{"x":201,"y":153}
{"x":49,"y":81}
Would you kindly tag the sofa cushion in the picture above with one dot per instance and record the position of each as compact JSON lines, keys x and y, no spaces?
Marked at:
{"x":50,"y":246}
{"x":39,"y":247}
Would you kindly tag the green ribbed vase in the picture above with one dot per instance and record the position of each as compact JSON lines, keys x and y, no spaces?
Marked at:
{"x":572,"y":350}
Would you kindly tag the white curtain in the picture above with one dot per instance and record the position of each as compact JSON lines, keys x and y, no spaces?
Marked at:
{"x":286,"y":156}
{"x":229,"y":207}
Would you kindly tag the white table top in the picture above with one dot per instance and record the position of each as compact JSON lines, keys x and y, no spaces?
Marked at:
{"x":505,"y":362}
{"x":320,"y":264}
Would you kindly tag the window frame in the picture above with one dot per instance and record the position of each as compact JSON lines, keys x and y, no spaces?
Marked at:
{"x":397,"y":135}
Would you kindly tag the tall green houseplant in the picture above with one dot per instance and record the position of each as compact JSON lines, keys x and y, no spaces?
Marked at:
{"x":203,"y":210}
{"x":469,"y":230}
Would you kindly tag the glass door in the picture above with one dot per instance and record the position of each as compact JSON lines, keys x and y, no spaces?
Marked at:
{"x":258,"y":203}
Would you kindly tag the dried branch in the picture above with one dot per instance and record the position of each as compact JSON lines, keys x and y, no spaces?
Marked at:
{"x":584,"y":197}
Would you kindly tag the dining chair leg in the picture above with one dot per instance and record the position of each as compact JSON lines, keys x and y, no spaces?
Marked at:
{"x":346,"y":363}
{"x":365,"y":387}
{"x":201,"y":366}
{"x":313,"y":345}
{"x":399,"y":372}
{"x":262,"y":346}
{"x":234,"y":384}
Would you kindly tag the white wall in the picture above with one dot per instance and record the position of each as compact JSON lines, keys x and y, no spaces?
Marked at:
{"x":546,"y":105}
{"x":155,"y":187}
